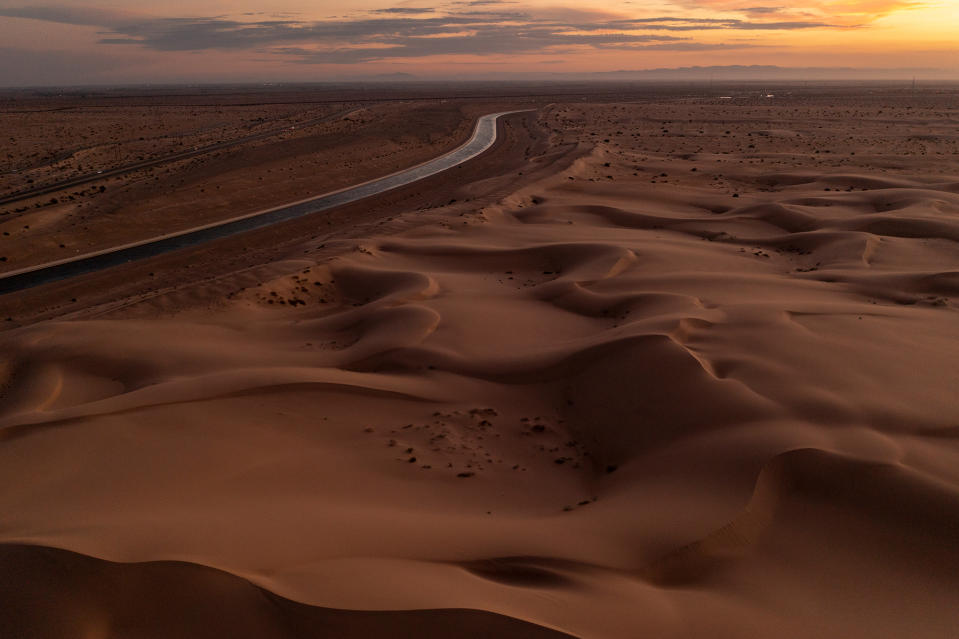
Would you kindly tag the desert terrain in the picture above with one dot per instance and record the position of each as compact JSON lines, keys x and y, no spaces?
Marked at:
{"x":664,"y":362}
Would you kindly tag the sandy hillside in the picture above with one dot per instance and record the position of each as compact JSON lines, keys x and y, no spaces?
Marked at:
{"x":690,"y":385}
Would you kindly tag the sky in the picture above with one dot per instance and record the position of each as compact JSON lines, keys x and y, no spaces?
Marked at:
{"x":78,"y":42}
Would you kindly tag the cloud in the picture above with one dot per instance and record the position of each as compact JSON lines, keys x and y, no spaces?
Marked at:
{"x":85,"y":16}
{"x":404,"y":10}
{"x":480,"y":28}
{"x":500,"y":41}
{"x":709,"y":24}
{"x":697,"y":46}
{"x":837,"y":12}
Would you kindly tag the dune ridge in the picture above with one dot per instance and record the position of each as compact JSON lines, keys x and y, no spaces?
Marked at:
{"x":162,"y":599}
{"x":599,"y":405}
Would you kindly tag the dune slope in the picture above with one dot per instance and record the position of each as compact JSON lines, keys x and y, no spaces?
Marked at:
{"x":600,"y":406}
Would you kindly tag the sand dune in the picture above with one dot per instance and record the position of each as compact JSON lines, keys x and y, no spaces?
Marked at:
{"x":72,"y":595}
{"x":600,"y":407}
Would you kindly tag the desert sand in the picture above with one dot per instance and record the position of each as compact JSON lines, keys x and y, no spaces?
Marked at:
{"x":658,"y":366}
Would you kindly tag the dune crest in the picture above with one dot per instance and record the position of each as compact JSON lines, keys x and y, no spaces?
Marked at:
{"x":605,"y":404}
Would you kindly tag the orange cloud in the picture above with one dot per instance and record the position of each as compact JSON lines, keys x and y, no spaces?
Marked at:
{"x":841,"y":11}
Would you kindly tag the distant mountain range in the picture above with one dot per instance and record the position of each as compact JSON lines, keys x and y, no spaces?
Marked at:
{"x":757,"y":72}
{"x":395,"y":76}
{"x":772,"y":72}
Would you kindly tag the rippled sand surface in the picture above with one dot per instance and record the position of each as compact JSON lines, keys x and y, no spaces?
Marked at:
{"x":628,"y":399}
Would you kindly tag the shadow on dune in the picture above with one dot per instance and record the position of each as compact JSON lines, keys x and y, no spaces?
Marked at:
{"x":810,"y":498}
{"x":49,"y":593}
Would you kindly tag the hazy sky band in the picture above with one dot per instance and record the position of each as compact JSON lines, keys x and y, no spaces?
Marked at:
{"x":89,"y":41}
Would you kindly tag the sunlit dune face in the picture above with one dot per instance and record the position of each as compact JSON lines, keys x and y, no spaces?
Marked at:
{"x":299,"y":40}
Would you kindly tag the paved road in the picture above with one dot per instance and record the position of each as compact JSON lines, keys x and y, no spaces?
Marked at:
{"x":484,"y":136}
{"x":136,"y":166}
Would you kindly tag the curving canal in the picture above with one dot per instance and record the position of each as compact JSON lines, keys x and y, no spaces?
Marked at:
{"x":484,"y":136}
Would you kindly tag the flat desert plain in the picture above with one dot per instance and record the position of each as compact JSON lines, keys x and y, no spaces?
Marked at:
{"x":662,"y":363}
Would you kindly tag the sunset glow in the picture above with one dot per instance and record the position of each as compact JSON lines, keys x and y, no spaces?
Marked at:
{"x":85,"y":41}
